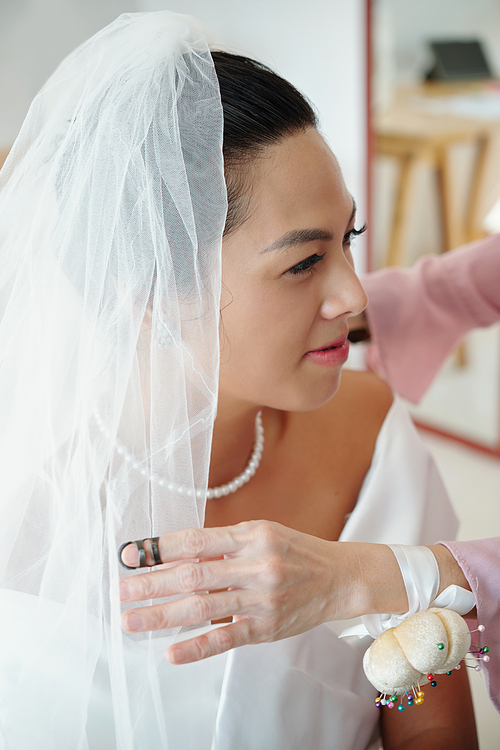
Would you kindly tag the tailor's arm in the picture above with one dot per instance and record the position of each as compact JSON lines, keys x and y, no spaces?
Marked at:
{"x":359,"y":323}
{"x":439,"y":300}
{"x":273,"y":581}
{"x":444,"y":720}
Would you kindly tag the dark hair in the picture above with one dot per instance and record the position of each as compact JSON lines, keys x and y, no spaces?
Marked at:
{"x":260,"y":109}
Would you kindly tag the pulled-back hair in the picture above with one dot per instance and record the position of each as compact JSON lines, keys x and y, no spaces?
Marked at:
{"x":260,"y":109}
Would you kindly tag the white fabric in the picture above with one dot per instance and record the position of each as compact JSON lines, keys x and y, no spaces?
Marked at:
{"x":112,"y":208}
{"x":456,"y":598}
{"x":303,"y":693}
{"x":420,"y":573}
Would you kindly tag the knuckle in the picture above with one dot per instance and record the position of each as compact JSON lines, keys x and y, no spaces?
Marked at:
{"x":268,"y":533}
{"x":156,"y":618}
{"x":223,"y":639}
{"x":238,"y":601}
{"x":270,"y":632}
{"x":146,"y":588}
{"x":274,"y":570}
{"x":200,"y":648}
{"x":249,"y":631}
{"x":201,"y":608}
{"x":190,"y":577}
{"x":194,"y":542}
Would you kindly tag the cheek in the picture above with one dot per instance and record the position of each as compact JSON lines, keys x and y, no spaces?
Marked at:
{"x":248,"y":324}
{"x":264,"y":327}
{"x":265,"y":331}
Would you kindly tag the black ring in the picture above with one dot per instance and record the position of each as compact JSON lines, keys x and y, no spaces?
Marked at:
{"x":129,"y":567}
{"x":154,"y":549}
{"x":142,"y":555}
{"x":139,"y":543}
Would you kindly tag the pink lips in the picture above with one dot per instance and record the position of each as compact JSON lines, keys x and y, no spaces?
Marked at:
{"x":331,"y":355}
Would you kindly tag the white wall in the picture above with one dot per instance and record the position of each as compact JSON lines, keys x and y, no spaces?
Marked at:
{"x":35,"y":35}
{"x":414,"y":23}
{"x":318,"y":45}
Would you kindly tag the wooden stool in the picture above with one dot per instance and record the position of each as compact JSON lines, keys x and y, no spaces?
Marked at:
{"x":412,"y":137}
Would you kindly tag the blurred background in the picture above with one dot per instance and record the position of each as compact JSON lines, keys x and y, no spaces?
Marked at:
{"x":435,"y":185}
{"x":436,"y":171}
{"x":409,"y":100}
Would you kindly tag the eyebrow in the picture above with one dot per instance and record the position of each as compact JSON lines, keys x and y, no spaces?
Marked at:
{"x":301,"y":236}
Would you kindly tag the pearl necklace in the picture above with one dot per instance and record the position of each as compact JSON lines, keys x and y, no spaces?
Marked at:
{"x":223,"y":490}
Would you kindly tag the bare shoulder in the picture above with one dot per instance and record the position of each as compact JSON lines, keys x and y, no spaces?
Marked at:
{"x":363,"y":392}
{"x":350,"y":422}
{"x":338,"y":439}
{"x":361,"y":403}
{"x":352,"y":419}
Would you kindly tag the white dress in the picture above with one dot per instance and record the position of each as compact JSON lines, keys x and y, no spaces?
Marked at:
{"x":308,"y":692}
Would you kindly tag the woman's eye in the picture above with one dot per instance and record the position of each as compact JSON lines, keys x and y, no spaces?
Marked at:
{"x":305,"y":265}
{"x":348,"y":238}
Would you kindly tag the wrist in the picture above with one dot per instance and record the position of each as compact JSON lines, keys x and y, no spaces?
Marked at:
{"x":383,"y":589}
{"x":371,"y":581}
{"x":450,"y":572}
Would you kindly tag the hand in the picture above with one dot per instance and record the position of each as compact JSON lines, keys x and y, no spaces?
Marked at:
{"x":357,"y":321}
{"x":273,"y":581}
{"x":359,"y":330}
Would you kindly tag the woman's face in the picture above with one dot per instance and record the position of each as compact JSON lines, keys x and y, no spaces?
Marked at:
{"x":288,"y":280}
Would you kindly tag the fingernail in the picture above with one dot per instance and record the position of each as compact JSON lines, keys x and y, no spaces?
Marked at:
{"x":177,"y":655}
{"x":124,"y":591}
{"x":134,"y":622}
{"x":130,"y":555}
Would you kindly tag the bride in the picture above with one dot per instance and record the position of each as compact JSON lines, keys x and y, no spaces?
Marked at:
{"x":153,"y":338}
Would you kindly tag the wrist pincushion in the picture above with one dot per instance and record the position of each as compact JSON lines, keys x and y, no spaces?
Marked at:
{"x":399,"y":660}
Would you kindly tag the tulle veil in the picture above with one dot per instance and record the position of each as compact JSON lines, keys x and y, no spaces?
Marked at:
{"x":112,"y":208}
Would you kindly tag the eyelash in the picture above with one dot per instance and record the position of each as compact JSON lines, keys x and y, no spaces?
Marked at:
{"x":308,"y":264}
{"x":354,"y":233}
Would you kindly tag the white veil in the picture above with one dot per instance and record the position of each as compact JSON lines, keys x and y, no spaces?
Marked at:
{"x":112,"y":208}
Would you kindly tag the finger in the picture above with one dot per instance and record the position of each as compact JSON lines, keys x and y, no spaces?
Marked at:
{"x":217,"y":641}
{"x":189,"y":543}
{"x":184,"y":579}
{"x":192,"y":610}
{"x":130,"y":554}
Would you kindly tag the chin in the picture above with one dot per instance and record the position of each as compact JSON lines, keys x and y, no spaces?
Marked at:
{"x":307,"y":396}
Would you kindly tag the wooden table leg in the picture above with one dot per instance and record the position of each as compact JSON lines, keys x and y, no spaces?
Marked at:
{"x":451,"y":226}
{"x":401,"y":206}
{"x":471,"y":230}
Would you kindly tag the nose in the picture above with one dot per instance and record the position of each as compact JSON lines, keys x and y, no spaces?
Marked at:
{"x":344,"y":294}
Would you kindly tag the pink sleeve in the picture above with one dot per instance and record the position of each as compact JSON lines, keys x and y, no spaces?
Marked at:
{"x":480,"y":562}
{"x":417,"y":316}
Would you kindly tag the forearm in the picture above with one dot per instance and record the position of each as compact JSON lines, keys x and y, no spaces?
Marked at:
{"x":378,"y":585}
{"x":450,"y":571}
{"x":418,"y":316}
{"x":445,"y":720}
{"x":435,"y":739}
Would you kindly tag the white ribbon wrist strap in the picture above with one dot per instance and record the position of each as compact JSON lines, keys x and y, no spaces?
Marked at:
{"x":420,"y":573}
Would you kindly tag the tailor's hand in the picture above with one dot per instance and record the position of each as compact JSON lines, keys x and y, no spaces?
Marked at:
{"x":356,"y":322}
{"x":273,"y":581}
{"x":359,"y":329}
